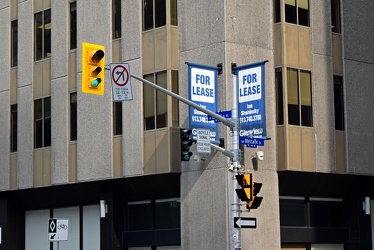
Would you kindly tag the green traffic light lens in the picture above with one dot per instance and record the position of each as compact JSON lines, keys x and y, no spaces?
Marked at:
{"x":96,"y":82}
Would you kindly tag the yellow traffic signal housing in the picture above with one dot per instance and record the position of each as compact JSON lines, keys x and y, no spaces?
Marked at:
{"x":93,"y":67}
{"x":249,"y":190}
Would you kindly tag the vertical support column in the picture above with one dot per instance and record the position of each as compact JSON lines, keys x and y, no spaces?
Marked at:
{"x":236,"y":236}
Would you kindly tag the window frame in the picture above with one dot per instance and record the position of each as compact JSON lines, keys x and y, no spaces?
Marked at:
{"x":339,"y":103}
{"x":42,"y":35}
{"x":294,"y":12}
{"x":73,"y":116}
{"x":116,"y":21}
{"x":73,"y":25}
{"x":13,"y":128}
{"x":42,"y":122}
{"x":14,"y":43}
{"x":117,"y":118}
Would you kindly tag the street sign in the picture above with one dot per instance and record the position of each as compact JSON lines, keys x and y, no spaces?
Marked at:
{"x":58,"y":229}
{"x":226,"y":114}
{"x":121,"y":82}
{"x":244,"y":222}
{"x":203,"y":141}
{"x":203,"y":91}
{"x":252,"y":142}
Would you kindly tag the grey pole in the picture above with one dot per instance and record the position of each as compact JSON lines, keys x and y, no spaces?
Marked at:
{"x":235,"y":207}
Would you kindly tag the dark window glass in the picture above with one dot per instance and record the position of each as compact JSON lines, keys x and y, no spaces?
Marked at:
{"x":293,"y":212}
{"x":160,"y":13}
{"x":13,"y":127}
{"x":279,"y":88}
{"x":73,"y":116}
{"x":47,"y":122}
{"x":167,"y":214}
{"x":73,"y":25}
{"x":293,"y":97}
{"x":117,"y":118}
{"x":38,"y":123}
{"x":149,"y":103}
{"x":173,"y":12}
{"x":326,"y":213}
{"x":290,"y":9}
{"x":47,"y":33}
{"x":175,"y":102}
{"x":38,"y":36}
{"x":306,"y":99}
{"x":161,"y":100}
{"x":335,"y":16}
{"x":339,"y":103}
{"x":117,"y":19}
{"x":147,"y":14}
{"x":303,"y":12}
{"x":140,"y":217}
{"x":14,"y":44}
{"x":277,"y":11}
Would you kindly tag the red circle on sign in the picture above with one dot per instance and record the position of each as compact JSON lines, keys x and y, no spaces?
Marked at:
{"x":122,"y":70}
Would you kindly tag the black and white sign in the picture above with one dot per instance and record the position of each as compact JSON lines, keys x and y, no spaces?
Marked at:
{"x":58,"y":229}
{"x":243,"y":222}
{"x":121,"y":81}
{"x":203,"y":141}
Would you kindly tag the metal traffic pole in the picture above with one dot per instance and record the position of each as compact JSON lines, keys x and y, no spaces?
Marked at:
{"x":235,"y":206}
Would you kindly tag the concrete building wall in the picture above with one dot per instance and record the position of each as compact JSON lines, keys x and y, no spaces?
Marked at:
{"x":358,"y":49}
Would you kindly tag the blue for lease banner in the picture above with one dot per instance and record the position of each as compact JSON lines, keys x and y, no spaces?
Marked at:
{"x":251,"y":88}
{"x":202,"y":90}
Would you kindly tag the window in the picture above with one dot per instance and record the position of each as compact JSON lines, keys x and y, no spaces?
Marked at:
{"x":14,"y":44}
{"x":154,"y":14}
{"x":175,"y":102}
{"x":310,"y":212}
{"x":153,"y":215}
{"x":299,"y":94}
{"x":339,"y":103}
{"x":117,"y":31}
{"x":42,"y":35}
{"x":296,"y":11}
{"x":117,"y":118}
{"x":279,"y":88}
{"x":42,"y":122}
{"x":173,"y":13}
{"x":155,"y":102}
{"x":73,"y":25}
{"x":335,"y":16}
{"x":277,"y":11}
{"x":13,"y":128}
{"x":73,"y":116}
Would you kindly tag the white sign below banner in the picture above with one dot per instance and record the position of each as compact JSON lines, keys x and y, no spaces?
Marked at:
{"x":203,"y":141}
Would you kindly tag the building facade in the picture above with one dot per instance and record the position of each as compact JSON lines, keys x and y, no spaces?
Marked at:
{"x":113,"y":169}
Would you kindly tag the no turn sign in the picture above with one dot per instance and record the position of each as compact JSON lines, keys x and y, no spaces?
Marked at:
{"x":121,"y":81}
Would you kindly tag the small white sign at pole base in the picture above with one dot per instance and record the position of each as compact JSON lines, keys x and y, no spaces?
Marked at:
{"x":203,"y":141}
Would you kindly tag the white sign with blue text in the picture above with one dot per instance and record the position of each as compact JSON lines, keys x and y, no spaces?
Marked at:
{"x":251,"y":87}
{"x":202,"y":84}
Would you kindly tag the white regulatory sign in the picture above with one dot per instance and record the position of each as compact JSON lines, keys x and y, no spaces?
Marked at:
{"x":58,"y":229}
{"x":121,"y":81}
{"x":203,"y":141}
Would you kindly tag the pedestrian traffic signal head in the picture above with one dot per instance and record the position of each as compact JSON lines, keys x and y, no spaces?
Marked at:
{"x":186,"y":143}
{"x":93,"y":67}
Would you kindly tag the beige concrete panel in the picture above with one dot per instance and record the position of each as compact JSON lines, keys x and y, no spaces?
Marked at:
{"x":291,"y":46}
{"x":46,"y":4}
{"x":304,"y":48}
{"x":13,"y":171}
{"x":337,"y":58}
{"x":46,"y":77}
{"x":174,"y":47}
{"x":340,"y":152}
{"x":294,"y":148}
{"x":72,"y":71}
{"x":278,"y":45}
{"x":307,"y":149}
{"x":117,"y":157}
{"x":38,"y":168}
{"x":116,"y":51}
{"x":148,"y":52}
{"x":161,"y":49}
{"x":13,"y":9}
{"x":149,"y":152}
{"x":281,"y":149}
{"x":162,"y":151}
{"x":175,"y":150}
{"x":37,"y":83}
{"x":46,"y":166}
{"x":73,"y":162}
{"x":38,"y":5}
{"x":13,"y":86}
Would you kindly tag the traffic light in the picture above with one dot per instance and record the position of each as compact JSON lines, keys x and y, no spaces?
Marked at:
{"x":186,"y":143}
{"x":93,"y":67}
{"x":249,"y":190}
